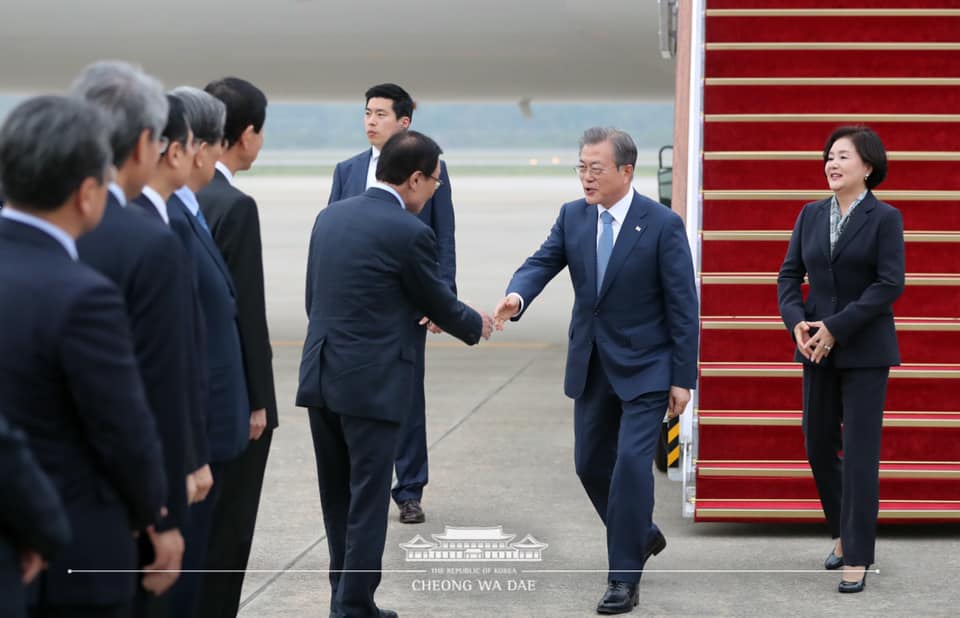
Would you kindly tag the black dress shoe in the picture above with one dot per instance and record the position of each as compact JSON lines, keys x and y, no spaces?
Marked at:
{"x":655,"y":546}
{"x":387,"y":613}
{"x":833,"y":561}
{"x":620,"y":598}
{"x":856,"y":586}
{"x":411,"y":512}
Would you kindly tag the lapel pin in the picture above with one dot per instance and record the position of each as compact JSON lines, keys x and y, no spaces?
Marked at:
{"x":638,"y":228}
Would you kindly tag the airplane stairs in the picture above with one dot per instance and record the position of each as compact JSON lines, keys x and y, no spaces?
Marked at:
{"x":780,"y":75}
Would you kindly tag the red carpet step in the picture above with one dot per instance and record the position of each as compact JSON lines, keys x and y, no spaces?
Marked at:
{"x":929,"y":175}
{"x":831,"y":99}
{"x":809,"y":511}
{"x":761,"y":480}
{"x":799,"y":132}
{"x":781,"y":214}
{"x":831,"y":4}
{"x":753,"y":294}
{"x":766,"y":340}
{"x":777,"y":386}
{"x":759,"y":251}
{"x":848,"y":28}
{"x":893,"y":63}
{"x":777,"y":435}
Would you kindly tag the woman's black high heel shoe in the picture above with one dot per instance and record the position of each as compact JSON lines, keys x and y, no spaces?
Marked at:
{"x":833,"y":561}
{"x":857,"y":586}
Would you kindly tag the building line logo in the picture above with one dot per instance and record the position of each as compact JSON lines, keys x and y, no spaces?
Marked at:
{"x":473,"y":544}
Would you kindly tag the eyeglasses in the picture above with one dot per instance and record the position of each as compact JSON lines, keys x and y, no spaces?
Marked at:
{"x":595,"y":170}
{"x":437,"y":180}
{"x":164,"y":142}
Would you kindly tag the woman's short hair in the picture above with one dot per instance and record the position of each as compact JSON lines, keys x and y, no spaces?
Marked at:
{"x":868,"y":146}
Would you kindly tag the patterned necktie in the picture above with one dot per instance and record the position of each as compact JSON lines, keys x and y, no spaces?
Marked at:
{"x":604,"y":247}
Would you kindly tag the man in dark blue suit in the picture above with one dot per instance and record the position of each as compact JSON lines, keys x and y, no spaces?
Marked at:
{"x":234,"y":221}
{"x":68,"y":376}
{"x":32,"y":520}
{"x":633,"y":343}
{"x":371,"y":271}
{"x":146,"y":262}
{"x":389,"y":110}
{"x":226,"y":404}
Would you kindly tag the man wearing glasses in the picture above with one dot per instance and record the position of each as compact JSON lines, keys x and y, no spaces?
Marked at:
{"x":632,"y":353}
{"x":389,"y":110}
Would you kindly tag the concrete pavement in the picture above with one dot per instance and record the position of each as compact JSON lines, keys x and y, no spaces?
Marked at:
{"x":501,"y":454}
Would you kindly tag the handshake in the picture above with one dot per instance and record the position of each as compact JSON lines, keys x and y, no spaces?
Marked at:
{"x":507,"y":308}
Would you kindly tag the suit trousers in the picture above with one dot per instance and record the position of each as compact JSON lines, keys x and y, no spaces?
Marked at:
{"x":615,"y":442}
{"x":355,"y":458}
{"x":411,"y":463}
{"x":231,"y":538}
{"x":186,"y":592}
{"x":843,"y":410}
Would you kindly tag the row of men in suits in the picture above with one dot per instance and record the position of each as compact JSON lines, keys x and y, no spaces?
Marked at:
{"x":136,"y":355}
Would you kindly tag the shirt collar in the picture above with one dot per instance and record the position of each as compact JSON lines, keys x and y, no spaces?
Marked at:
{"x":189,"y":199}
{"x":118,"y":193}
{"x":619,"y":210}
{"x":157,"y":200}
{"x":390,"y":190}
{"x":225,"y":171}
{"x":374,"y":153}
{"x":835,"y":203}
{"x":69,"y":244}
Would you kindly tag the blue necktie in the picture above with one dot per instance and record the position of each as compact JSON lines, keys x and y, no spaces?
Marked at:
{"x":604,"y":247}
{"x":203,"y":221}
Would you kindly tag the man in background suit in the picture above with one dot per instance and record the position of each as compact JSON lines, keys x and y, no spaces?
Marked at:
{"x":633,"y":343}
{"x":226,"y":405}
{"x":173,"y":169}
{"x":389,"y":110}
{"x":68,"y":376}
{"x":235,"y":225}
{"x":146,"y":262}
{"x":371,"y":270}
{"x":33,"y":524}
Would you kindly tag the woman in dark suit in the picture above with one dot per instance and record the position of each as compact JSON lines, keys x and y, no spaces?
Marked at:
{"x":850,"y":246}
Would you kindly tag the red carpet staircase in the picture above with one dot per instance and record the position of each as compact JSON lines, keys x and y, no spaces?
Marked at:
{"x":780,"y":76}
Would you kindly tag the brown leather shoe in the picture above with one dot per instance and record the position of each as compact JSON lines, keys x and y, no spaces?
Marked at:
{"x":411,"y":512}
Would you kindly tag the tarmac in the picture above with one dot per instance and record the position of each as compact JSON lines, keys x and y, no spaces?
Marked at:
{"x":501,"y":455}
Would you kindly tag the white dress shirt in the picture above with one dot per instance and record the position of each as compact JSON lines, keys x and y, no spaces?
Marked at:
{"x":225,"y":171}
{"x":157,"y":200}
{"x":44,"y":226}
{"x":118,"y":193}
{"x":618,"y":211}
{"x":372,"y":168}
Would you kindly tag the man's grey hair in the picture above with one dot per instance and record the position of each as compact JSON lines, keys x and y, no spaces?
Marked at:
{"x":48,"y":146}
{"x":206,"y":114}
{"x":133,"y":100}
{"x":624,"y":149}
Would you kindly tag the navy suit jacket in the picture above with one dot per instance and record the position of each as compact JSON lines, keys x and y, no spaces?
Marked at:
{"x":371,"y":274}
{"x":645,"y":320}
{"x":31,"y":516}
{"x":235,"y":224}
{"x":226,"y":406}
{"x":350,"y":180}
{"x":145,"y":261}
{"x":196,"y":452}
{"x":69,"y":380}
{"x":853,"y":290}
